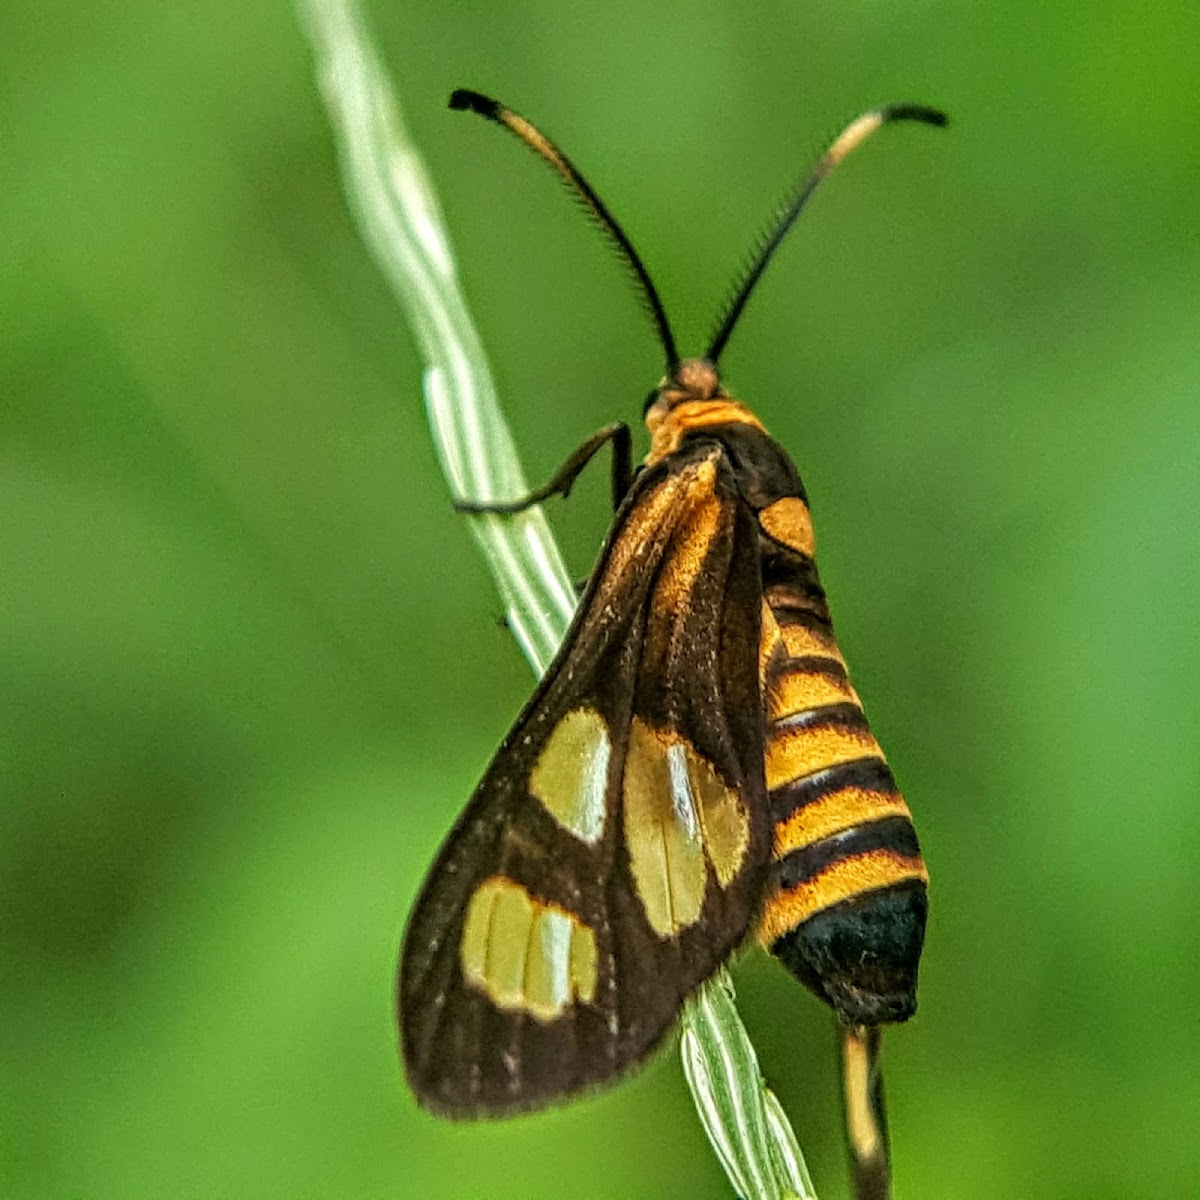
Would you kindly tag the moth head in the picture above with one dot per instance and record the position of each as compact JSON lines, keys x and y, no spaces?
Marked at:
{"x":694,"y":380}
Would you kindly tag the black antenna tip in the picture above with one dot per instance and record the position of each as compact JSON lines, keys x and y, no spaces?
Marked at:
{"x":462,"y":98}
{"x":914,"y":112}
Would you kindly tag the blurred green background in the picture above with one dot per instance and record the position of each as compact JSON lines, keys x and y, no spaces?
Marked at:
{"x":251,"y":661}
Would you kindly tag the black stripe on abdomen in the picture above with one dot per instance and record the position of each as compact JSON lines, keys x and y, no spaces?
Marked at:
{"x":894,"y":833}
{"x":870,"y":775}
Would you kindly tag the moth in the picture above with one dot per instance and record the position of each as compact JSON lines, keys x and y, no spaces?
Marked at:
{"x":695,"y":765}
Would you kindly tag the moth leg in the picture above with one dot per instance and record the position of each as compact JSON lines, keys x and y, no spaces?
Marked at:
{"x":866,"y":1119}
{"x":564,"y":478}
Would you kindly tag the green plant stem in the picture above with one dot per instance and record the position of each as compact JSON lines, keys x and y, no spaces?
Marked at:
{"x":397,"y":212}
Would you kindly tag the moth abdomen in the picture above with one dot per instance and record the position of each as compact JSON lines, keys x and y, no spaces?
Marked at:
{"x":846,"y":911}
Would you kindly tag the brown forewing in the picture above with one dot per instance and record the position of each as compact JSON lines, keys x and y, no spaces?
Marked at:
{"x":675,"y":646}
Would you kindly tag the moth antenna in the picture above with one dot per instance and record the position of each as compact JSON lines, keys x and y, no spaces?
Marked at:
{"x":849,"y":139}
{"x":537,"y":141}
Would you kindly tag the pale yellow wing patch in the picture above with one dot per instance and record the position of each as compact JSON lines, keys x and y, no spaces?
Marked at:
{"x":570,"y":776}
{"x":724,"y":823}
{"x":679,"y":818}
{"x":662,"y":832}
{"x":525,"y":955}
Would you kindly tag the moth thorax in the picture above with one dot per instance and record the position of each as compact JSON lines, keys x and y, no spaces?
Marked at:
{"x":691,"y":400}
{"x":693,"y":382}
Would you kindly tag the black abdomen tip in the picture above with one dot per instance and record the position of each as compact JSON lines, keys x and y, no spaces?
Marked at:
{"x":861,"y":956}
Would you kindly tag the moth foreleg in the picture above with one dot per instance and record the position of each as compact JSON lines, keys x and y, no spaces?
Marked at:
{"x":564,"y":478}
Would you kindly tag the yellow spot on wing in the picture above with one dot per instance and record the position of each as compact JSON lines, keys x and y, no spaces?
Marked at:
{"x":724,"y":822}
{"x":473,"y":946}
{"x":662,"y":833}
{"x":789,"y":522}
{"x":570,"y":776}
{"x":842,"y":880}
{"x":582,"y":963}
{"x":795,"y":753}
{"x":523,"y":954}
{"x":841,"y":810}
{"x":508,"y":946}
{"x":547,"y":982}
{"x":680,"y":817}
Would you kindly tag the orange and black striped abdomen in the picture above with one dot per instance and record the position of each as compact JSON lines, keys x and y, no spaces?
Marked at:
{"x":846,"y":914}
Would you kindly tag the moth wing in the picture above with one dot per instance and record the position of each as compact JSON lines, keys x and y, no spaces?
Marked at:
{"x":615,"y":852}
